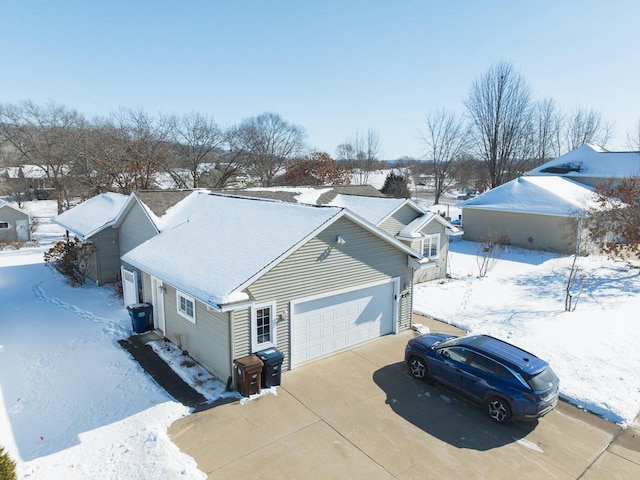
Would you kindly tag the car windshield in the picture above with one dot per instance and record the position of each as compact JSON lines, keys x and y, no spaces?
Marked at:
{"x":543,"y":380}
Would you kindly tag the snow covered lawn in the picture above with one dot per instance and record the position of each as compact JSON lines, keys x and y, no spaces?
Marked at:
{"x":594,"y":349}
{"x":73,"y":404}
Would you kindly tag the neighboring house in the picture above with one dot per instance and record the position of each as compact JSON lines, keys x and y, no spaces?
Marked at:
{"x":93,"y":221}
{"x":591,"y":165}
{"x":116,"y":223}
{"x":531,"y":212}
{"x":33,"y":179}
{"x":426,"y":232}
{"x":14,"y":223}
{"x":239,"y":275}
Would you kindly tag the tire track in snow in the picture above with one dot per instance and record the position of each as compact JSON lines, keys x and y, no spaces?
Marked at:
{"x":111,"y":326}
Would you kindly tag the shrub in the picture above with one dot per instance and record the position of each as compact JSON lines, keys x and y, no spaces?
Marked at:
{"x":7,"y":466}
{"x":71,"y":258}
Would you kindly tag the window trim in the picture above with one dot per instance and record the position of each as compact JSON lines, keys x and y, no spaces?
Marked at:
{"x":182,"y":313}
{"x":255,"y":346}
{"x":4,"y":223}
{"x":428,"y":239}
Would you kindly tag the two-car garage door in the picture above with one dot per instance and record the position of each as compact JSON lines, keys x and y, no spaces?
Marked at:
{"x":324,"y":325}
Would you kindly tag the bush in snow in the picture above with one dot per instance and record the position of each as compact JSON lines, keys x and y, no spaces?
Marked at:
{"x":72,"y":258}
{"x":7,"y":466}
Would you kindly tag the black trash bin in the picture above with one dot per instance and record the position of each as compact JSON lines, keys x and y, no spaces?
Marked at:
{"x":140,"y":314}
{"x":272,"y":359}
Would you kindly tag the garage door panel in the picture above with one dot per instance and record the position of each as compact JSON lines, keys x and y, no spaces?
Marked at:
{"x":346,"y":319}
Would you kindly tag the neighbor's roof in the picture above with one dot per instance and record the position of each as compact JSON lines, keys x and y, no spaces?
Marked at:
{"x":15,"y":207}
{"x":363,"y":200}
{"x":591,"y":161}
{"x":159,"y":201}
{"x":372,"y":209}
{"x":227,"y":241}
{"x":542,"y":195}
{"x":413,"y":230}
{"x":92,"y":215}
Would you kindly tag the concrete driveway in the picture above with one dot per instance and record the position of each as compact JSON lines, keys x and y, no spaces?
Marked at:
{"x":359,"y":414}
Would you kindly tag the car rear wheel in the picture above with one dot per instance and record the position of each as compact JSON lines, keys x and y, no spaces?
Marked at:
{"x":499,"y":409}
{"x":418,"y":368}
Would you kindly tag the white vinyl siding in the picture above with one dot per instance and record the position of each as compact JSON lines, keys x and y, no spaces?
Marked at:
{"x":207,"y":341}
{"x":439,"y":268}
{"x":322,"y":266}
{"x":135,"y":229}
{"x":400,"y":219}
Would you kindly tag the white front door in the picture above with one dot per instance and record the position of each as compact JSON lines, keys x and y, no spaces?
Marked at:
{"x":22,"y":230}
{"x":320,"y":326}
{"x":157,"y":300}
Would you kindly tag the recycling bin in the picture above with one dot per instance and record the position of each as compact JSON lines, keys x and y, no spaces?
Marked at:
{"x":248,"y":374}
{"x":272,"y":359}
{"x":140,"y":314}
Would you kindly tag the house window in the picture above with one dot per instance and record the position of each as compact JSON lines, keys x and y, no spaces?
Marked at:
{"x":263,"y":325}
{"x":431,"y":246}
{"x":186,"y":306}
{"x":4,"y":224}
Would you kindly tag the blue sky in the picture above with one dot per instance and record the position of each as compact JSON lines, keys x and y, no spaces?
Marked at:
{"x":332,"y":67}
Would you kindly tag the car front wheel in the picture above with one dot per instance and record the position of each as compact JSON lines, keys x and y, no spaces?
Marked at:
{"x":499,"y":409}
{"x":418,"y":368}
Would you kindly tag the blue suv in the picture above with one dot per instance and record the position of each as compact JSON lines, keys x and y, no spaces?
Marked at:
{"x":510,"y":382}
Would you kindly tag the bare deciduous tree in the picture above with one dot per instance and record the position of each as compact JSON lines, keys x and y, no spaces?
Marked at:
{"x":586,"y":126}
{"x":633,"y":138}
{"x":361,"y":154}
{"x":270,"y":142}
{"x":197,"y":138}
{"x":42,"y":137}
{"x":445,"y":140}
{"x":500,"y":108}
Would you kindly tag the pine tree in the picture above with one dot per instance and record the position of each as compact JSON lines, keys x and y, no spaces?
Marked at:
{"x":396,"y":186}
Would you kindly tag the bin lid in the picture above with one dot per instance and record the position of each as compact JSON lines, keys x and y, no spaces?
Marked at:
{"x":138,"y":306}
{"x":270,"y":354}
{"x":249,"y":361}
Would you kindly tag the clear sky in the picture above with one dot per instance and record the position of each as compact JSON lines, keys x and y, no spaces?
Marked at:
{"x":332,"y":67}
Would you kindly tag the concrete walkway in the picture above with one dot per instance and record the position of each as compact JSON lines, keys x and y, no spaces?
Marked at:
{"x":157,"y":369}
{"x":359,"y":414}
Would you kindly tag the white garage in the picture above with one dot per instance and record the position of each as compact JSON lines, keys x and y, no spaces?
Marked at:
{"x":320,"y":326}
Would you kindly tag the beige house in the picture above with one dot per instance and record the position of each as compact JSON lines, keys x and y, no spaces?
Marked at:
{"x":532,"y":212}
{"x":14,"y":223}
{"x":240,"y":275}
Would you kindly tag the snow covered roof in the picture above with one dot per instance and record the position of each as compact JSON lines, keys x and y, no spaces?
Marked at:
{"x":227,"y":242}
{"x":9,"y":205}
{"x":372,"y":209}
{"x":92,"y":215}
{"x":543,"y":195}
{"x":591,"y":161}
{"x":412,"y":230}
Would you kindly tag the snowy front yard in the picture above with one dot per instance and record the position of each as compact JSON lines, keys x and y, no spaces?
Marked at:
{"x":594,"y":349}
{"x":73,"y":404}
